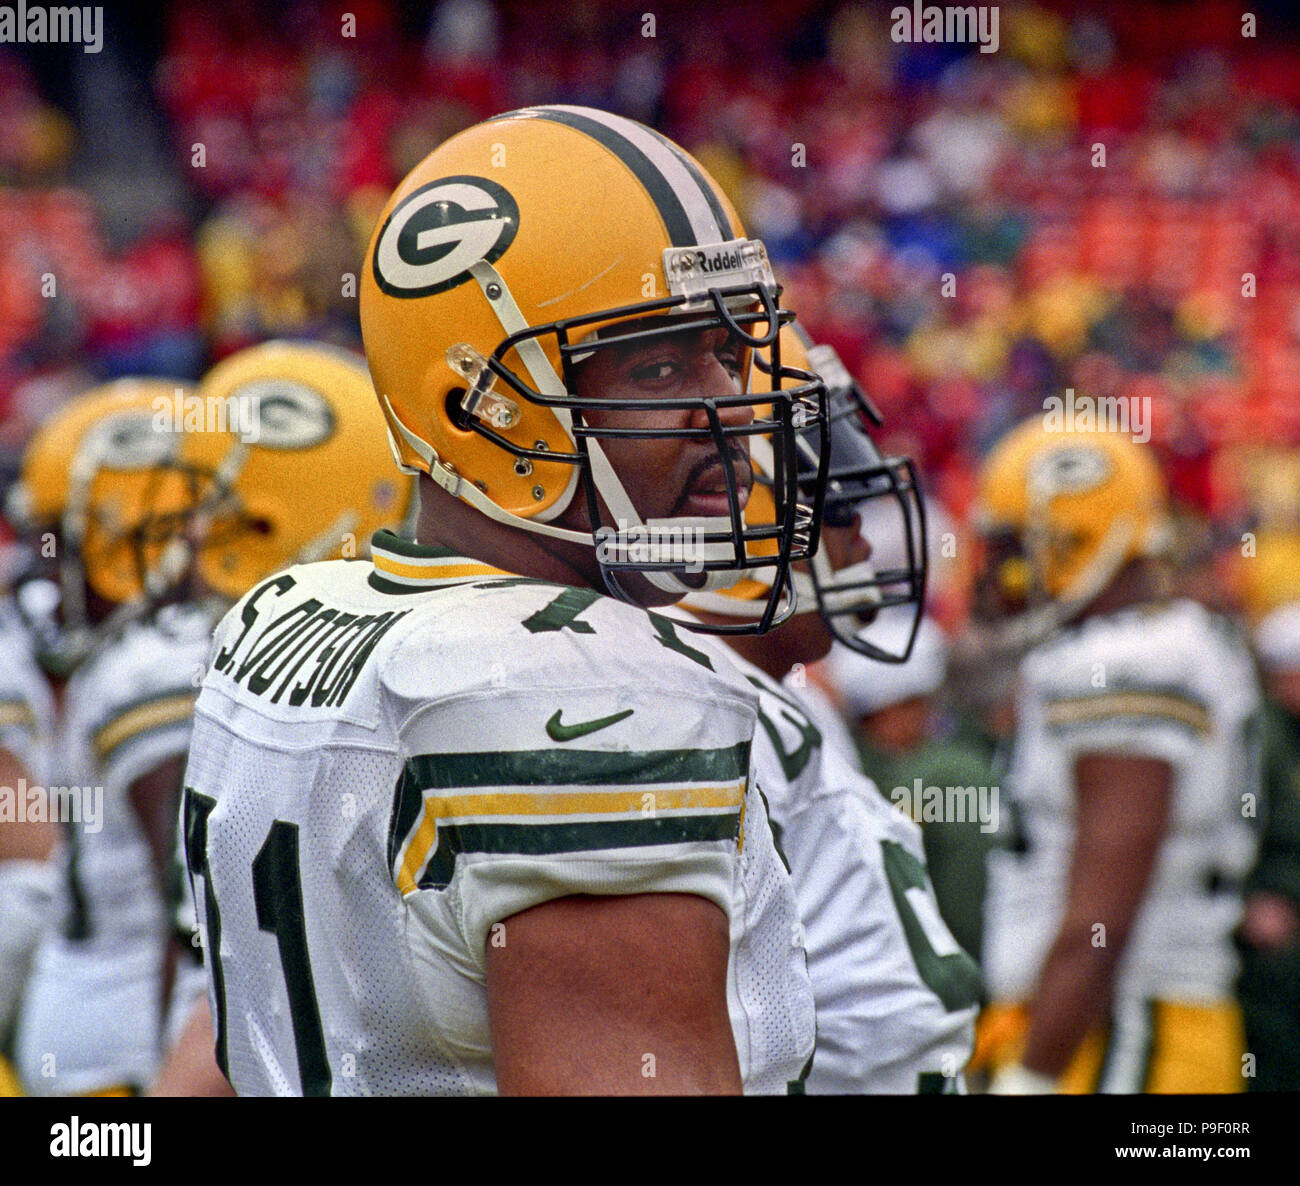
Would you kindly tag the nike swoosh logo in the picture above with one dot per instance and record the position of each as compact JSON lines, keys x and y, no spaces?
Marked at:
{"x":558,"y":732}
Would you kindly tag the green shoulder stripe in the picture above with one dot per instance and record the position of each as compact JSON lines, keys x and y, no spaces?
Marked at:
{"x":571,"y":836}
{"x":384,"y":585}
{"x":576,"y":767}
{"x":387,"y":539}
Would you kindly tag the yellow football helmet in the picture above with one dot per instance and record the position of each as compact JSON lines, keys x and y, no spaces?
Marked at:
{"x":1062,"y":512}
{"x":850,"y":598}
{"x":101,"y":479}
{"x":504,"y":261}
{"x":300,"y":460}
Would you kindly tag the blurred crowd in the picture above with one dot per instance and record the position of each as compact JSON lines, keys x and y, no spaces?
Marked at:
{"x":1102,"y":204}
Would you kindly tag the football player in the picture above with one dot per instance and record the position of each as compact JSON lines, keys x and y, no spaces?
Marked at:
{"x":57,"y":616}
{"x":1133,"y":774}
{"x":95,"y":477}
{"x":1269,"y":988}
{"x":899,"y":740}
{"x":461,"y":819}
{"x":895,"y":995}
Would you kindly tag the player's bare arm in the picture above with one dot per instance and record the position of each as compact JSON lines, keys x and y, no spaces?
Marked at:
{"x":613,"y":996}
{"x":154,"y":798}
{"x":1123,"y":804}
{"x":190,"y":1070}
{"x":23,"y":840}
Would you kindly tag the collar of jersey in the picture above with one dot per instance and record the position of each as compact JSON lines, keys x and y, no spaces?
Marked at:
{"x":403,"y":566}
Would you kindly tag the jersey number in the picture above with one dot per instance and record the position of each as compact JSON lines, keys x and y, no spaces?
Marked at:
{"x":945,"y":968}
{"x":561,"y":613}
{"x":277,"y":897}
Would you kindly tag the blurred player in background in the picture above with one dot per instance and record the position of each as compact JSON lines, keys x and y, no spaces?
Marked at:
{"x":1133,"y":769}
{"x":314,"y":481}
{"x":28,"y":875}
{"x":78,"y":506}
{"x":91,"y":1022}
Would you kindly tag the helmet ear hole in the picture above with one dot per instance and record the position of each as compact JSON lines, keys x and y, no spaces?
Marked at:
{"x":455,"y":410}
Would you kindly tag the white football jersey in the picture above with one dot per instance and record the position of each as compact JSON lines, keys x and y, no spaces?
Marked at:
{"x":91,"y":1017}
{"x":1172,"y":682}
{"x":26,"y":707}
{"x":392,"y":756}
{"x":896,"y":996}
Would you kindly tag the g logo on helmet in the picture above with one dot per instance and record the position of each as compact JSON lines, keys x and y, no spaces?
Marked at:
{"x":280,"y":414}
{"x":1070,"y":470}
{"x":436,"y":234}
{"x":128,"y":441}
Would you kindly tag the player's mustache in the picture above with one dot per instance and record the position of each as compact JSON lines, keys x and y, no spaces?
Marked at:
{"x":736,"y":458}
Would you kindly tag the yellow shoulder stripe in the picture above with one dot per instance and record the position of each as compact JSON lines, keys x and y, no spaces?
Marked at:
{"x":17,"y":712}
{"x":433,"y":572}
{"x":1168,"y":706}
{"x":140,"y":718}
{"x":448,"y":809}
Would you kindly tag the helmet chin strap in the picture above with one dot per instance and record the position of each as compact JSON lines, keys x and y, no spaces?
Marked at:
{"x":745,"y":609}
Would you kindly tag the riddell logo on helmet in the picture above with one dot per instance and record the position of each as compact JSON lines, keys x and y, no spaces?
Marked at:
{"x":717,"y":261}
{"x":692,"y":271}
{"x":434,"y":236}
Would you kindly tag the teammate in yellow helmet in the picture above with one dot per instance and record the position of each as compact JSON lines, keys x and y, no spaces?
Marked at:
{"x":97,"y":482}
{"x":1110,"y":908}
{"x":305,"y":473}
{"x":304,"y":466}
